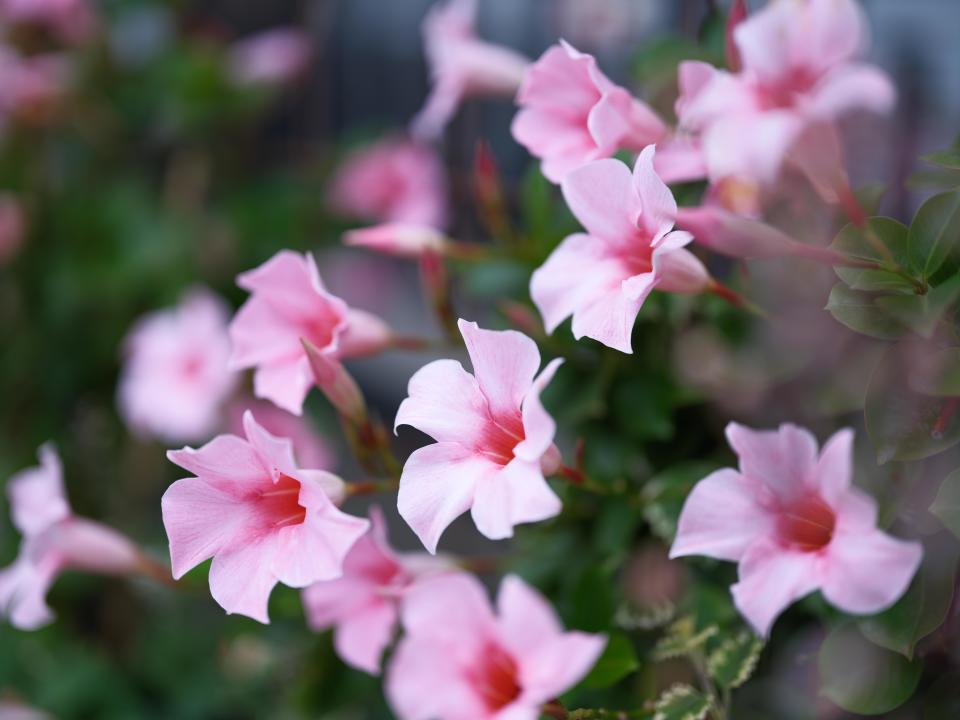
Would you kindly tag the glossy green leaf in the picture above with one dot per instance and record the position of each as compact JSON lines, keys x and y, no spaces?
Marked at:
{"x":934,"y":231}
{"x":859,"y":312}
{"x":922,"y":313}
{"x":617,"y":661}
{"x":884,"y":240}
{"x":682,"y":702}
{"x":946,"y":506}
{"x":860,"y":677}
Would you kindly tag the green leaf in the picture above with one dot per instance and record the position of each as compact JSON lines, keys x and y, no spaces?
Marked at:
{"x":617,"y":661}
{"x":922,"y":313}
{"x":682,"y":702}
{"x":921,"y":610}
{"x":682,"y":638}
{"x":733,"y":661}
{"x":860,"y":677}
{"x":949,"y":159}
{"x":937,"y":373}
{"x":903,"y":424}
{"x":649,"y":618}
{"x":859,"y":312}
{"x":857,"y":244}
{"x":946,"y":506}
{"x":935,"y":229}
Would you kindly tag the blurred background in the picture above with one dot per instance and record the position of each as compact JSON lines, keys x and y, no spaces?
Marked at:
{"x":154,"y":159}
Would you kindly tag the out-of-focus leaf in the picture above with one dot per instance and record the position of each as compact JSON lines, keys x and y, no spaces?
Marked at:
{"x":859,"y":312}
{"x":682,"y":638}
{"x":733,"y":661}
{"x":618,"y":660}
{"x":682,"y":702}
{"x":860,"y":677}
{"x":942,"y":701}
{"x":949,"y":159}
{"x":934,"y":231}
{"x":937,"y":373}
{"x":903,"y":424}
{"x":869,"y":243}
{"x":946,"y":506}
{"x":922,"y":313}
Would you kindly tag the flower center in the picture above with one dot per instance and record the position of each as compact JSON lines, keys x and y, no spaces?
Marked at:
{"x":785,"y":92}
{"x":501,"y":436}
{"x":280,"y":504}
{"x":807,"y":524}
{"x":495,"y":678}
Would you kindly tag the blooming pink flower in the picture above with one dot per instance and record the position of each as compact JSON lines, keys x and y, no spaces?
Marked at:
{"x":54,"y":540}
{"x":799,"y":67}
{"x":462,"y":66}
{"x":262,"y":519}
{"x":364,"y":605}
{"x":31,"y":88}
{"x":72,"y":20}
{"x":494,"y":439}
{"x":602,"y":277}
{"x":571,"y":113}
{"x":288,"y":304}
{"x":459,"y":660}
{"x":13,"y":226}
{"x":392,"y":180}
{"x":794,"y":523}
{"x":272,"y":57}
{"x":175,"y":377}
{"x":312,"y":450}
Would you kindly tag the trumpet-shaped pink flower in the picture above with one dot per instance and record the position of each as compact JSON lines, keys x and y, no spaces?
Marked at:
{"x":602,"y":277}
{"x":795,"y":524}
{"x":394,"y":180}
{"x":312,"y":450}
{"x":72,"y":20}
{"x":261,"y":518}
{"x":54,"y":540}
{"x":798,"y":67}
{"x":272,"y":57}
{"x":571,"y":113}
{"x":459,"y":660}
{"x":175,"y":377}
{"x":364,"y":605}
{"x":462,"y":66}
{"x":494,"y":439}
{"x":288,"y":304}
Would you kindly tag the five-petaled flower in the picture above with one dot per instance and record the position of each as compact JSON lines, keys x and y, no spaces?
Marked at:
{"x":54,"y":540}
{"x":792,"y":520}
{"x":460,"y":660}
{"x":262,"y":519}
{"x":602,"y":277}
{"x":364,"y":605}
{"x":494,"y":439}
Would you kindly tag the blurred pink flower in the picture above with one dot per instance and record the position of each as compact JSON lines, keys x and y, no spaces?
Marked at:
{"x":602,"y":277}
{"x":462,"y":66}
{"x":261,"y":518}
{"x":272,"y":57}
{"x":54,"y":540}
{"x":402,"y":239}
{"x":460,"y":660}
{"x":31,"y":88}
{"x":798,"y":67}
{"x":73,"y":20}
{"x":289,"y":303}
{"x":175,"y":378}
{"x":13,"y":226}
{"x":494,"y":439}
{"x":393,"y":180}
{"x":792,"y":520}
{"x":364,"y":605}
{"x":571,"y":113}
{"x":312,"y":450}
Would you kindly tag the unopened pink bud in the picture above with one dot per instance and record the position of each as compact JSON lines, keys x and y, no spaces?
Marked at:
{"x":91,"y":546}
{"x":402,"y":239}
{"x":333,"y":380}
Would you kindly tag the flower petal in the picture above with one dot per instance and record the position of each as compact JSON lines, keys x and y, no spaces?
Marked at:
{"x":834,"y":470}
{"x":504,"y":364}
{"x":241,"y":579}
{"x":602,"y":196}
{"x":517,"y":493}
{"x":23,"y":590}
{"x":538,"y":427}
{"x":659,"y":207}
{"x":227,"y":461}
{"x":276,"y":453}
{"x":610,"y":317}
{"x":285,"y":384}
{"x":361,"y":638}
{"x":558,"y":664}
{"x":458,"y":598}
{"x":852,"y":87}
{"x":784,"y":460}
{"x":37,"y":497}
{"x":444,"y":401}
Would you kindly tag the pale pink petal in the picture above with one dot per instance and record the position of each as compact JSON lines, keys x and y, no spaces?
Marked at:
{"x":200,"y":520}
{"x":437,"y":486}
{"x":832,"y":32}
{"x":514,"y":494}
{"x":504,"y":364}
{"x":284,"y":384}
{"x":609,"y":120}
{"x":460,"y":599}
{"x":784,"y":460}
{"x":364,"y":335}
{"x":869,"y":571}
{"x":525,"y":619}
{"x":834,"y":470}
{"x":37,"y":498}
{"x":602,"y":196}
{"x":561,"y":145}
{"x":721,"y":518}
{"x":87,"y":545}
{"x":751,"y":146}
{"x":241,"y":579}
{"x":445,"y":402}
{"x":259,"y":333}
{"x":538,"y":427}
{"x":560,"y":80}
{"x":680,"y":160}
{"x":227,"y":461}
{"x":852,"y":87}
{"x":276,"y":453}
{"x":361,"y":638}
{"x":287,"y":279}
{"x":764,"y":39}
{"x":610,"y":317}
{"x":659,"y":207}
{"x":680,"y":271}
{"x":23,"y":590}
{"x":441,"y":106}
{"x":557,"y":665}
{"x":771,"y":579}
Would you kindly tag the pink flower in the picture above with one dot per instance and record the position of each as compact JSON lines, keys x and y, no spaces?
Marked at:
{"x":799,"y":67}
{"x":312,"y":450}
{"x":13,"y":226}
{"x":73,"y":20}
{"x":364,"y":605}
{"x":794,"y":523}
{"x":262,"y":519}
{"x":462,"y":66}
{"x":571,"y":113}
{"x":602,"y":277}
{"x":459,"y":660}
{"x":31,"y":88}
{"x":272,"y":57}
{"x":402,"y":239}
{"x":289,"y":303}
{"x":54,"y":540}
{"x":175,"y":377}
{"x":394,"y":180}
{"x":494,"y":439}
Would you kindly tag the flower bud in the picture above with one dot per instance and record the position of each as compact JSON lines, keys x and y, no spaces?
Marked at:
{"x":398,"y":238}
{"x":333,"y":380}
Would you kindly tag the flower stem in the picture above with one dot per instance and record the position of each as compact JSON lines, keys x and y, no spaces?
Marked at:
{"x":735,"y":298}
